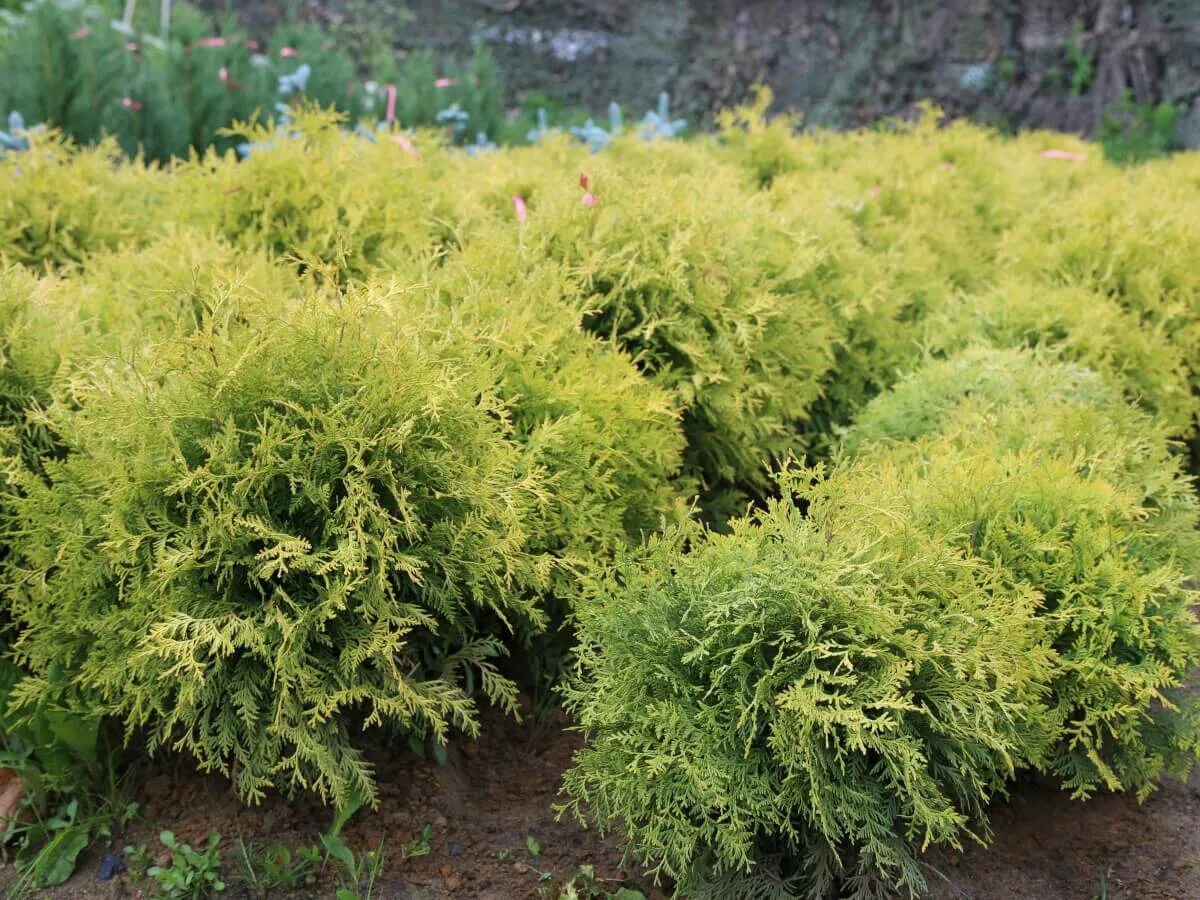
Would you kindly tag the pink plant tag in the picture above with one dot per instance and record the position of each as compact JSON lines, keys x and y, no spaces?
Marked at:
{"x":1069,"y":155}
{"x":390,"y":115}
{"x":444,"y":83}
{"x":519,"y":205}
{"x":407,"y":145}
{"x":589,"y":199}
{"x":288,"y":51}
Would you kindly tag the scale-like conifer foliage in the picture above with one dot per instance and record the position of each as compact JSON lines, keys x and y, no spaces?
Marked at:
{"x":262,"y":540}
{"x":788,"y":709}
{"x":1043,"y":470}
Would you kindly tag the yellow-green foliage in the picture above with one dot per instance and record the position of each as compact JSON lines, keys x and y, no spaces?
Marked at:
{"x":141,"y":295}
{"x":1041,"y":469}
{"x":756,"y":737}
{"x":261,"y":539}
{"x":329,"y":203}
{"x":688,"y":271}
{"x":189,"y":361}
{"x":609,"y":439}
{"x":1081,"y":325}
{"x":785,"y":710}
{"x":332,"y":427}
{"x":59,"y":204}
{"x":29,"y":361}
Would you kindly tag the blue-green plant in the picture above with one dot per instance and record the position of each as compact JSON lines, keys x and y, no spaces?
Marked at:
{"x":658,"y":122}
{"x":598,"y":138}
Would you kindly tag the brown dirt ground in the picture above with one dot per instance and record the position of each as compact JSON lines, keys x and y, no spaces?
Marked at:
{"x":487,"y":798}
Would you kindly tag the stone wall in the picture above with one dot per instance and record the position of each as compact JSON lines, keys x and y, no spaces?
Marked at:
{"x":1014,"y":63}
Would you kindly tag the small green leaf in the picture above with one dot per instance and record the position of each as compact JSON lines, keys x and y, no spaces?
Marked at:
{"x":531,"y":844}
{"x":339,"y":851}
{"x":439,"y":754}
{"x":56,"y":861}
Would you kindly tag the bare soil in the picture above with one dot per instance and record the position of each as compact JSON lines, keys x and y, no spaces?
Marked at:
{"x":492,"y":795}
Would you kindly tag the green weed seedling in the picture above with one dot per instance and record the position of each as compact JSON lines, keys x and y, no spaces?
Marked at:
{"x":586,"y":885}
{"x":72,"y":792}
{"x":358,"y":875}
{"x":137,"y":860}
{"x":275,"y":867}
{"x":421,"y":844}
{"x":193,"y":874}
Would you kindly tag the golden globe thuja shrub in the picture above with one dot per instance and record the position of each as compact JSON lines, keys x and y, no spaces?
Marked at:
{"x":1123,"y":233}
{"x":684,"y":268}
{"x":263,"y":540}
{"x":332,"y":205}
{"x":602,"y":444}
{"x":725,"y":716}
{"x":798,"y":706}
{"x":1077,"y":324}
{"x":1043,"y":469}
{"x":144,"y":294}
{"x":60,"y":203}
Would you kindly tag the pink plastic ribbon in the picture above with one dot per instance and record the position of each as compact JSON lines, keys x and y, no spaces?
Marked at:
{"x":1069,"y":155}
{"x":406,"y":144}
{"x":130,"y":103}
{"x":444,"y":83}
{"x":519,"y":206}
{"x":390,"y":115}
{"x":288,"y":51}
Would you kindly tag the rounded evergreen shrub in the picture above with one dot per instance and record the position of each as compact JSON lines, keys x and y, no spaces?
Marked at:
{"x":609,"y":440}
{"x":1077,"y":325}
{"x":1042,"y":470}
{"x":134,"y":297}
{"x":265,"y":540}
{"x":60,"y":203}
{"x":682,"y":265}
{"x":334,"y":205}
{"x":793,"y":708}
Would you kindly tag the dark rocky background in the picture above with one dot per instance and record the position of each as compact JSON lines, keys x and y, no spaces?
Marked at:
{"x":1011,"y":63}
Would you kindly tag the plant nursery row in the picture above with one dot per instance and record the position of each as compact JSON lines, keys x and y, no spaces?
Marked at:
{"x":832,"y":482}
